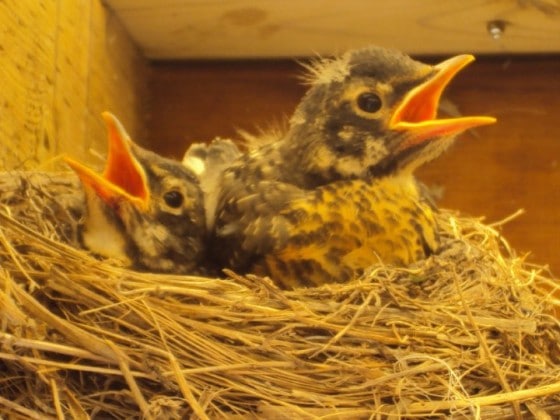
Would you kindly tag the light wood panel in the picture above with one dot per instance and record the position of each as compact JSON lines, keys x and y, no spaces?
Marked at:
{"x":493,"y":172}
{"x":178,"y":29}
{"x":63,"y":62}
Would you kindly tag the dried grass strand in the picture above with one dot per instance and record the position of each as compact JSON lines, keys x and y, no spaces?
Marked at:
{"x":487,"y":351}
{"x":444,"y":338}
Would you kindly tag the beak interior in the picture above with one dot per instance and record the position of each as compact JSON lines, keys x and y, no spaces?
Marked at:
{"x":421,"y":103}
{"x":122,"y":168}
{"x":124,"y":177}
{"x":417,"y":112}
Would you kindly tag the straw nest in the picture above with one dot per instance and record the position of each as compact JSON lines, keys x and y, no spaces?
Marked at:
{"x":466,"y":333}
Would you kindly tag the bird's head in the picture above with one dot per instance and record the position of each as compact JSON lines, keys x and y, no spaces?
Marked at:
{"x":143,"y":208}
{"x":374,"y":111}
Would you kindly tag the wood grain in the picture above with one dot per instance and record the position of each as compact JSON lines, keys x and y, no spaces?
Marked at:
{"x":26,"y":77}
{"x":491,"y":172}
{"x":62,"y":63}
{"x":294,"y":28}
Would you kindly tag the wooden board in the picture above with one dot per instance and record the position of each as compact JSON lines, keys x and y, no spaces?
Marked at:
{"x":177,"y":29}
{"x":62,"y":63}
{"x":492,"y":172}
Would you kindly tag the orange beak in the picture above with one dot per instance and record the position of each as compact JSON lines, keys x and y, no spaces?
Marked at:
{"x":123,"y":177}
{"x":416,"y":114}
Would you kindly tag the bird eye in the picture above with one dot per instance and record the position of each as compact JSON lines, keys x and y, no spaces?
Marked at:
{"x":173,"y":199}
{"x":369,"y":102}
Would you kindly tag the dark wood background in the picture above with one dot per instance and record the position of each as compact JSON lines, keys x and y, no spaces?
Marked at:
{"x":492,"y":172}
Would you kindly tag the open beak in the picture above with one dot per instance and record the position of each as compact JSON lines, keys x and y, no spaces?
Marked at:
{"x":417,"y":112}
{"x":123,"y":177}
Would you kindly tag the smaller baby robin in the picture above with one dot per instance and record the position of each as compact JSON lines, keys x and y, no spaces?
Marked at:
{"x":143,"y":209}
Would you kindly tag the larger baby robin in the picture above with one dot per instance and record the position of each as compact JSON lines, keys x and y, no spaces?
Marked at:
{"x":337,"y":191}
{"x":144,"y":209}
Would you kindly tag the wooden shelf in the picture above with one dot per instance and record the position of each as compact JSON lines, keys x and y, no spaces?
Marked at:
{"x":179,"y":29}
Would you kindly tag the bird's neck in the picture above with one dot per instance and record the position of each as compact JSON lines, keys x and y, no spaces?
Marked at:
{"x":276,"y":161}
{"x":101,"y":232}
{"x":300,"y":162}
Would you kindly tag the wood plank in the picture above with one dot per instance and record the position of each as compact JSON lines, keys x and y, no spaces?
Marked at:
{"x":72,"y":70}
{"x":27,"y":81}
{"x":173,"y":29}
{"x":63,"y":62}
{"x":513,"y":164}
{"x":197,"y":101}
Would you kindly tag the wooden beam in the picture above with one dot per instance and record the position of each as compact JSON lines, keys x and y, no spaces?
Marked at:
{"x":295,"y":28}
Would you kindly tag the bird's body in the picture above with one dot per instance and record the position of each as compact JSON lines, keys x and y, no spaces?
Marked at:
{"x":332,"y":233}
{"x":145,"y":210}
{"x":336,"y":192}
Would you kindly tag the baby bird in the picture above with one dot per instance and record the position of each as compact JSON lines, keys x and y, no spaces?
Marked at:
{"x":208,"y":162}
{"x":143,"y":209}
{"x":337,"y":192}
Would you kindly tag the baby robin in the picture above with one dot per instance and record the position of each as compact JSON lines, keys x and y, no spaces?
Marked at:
{"x":143,"y":209}
{"x":337,"y":192}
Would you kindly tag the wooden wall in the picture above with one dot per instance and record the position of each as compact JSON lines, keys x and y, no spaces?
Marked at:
{"x":491,"y":172}
{"x":62,"y":62}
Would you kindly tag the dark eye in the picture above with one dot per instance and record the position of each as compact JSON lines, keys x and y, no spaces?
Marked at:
{"x":369,"y":102}
{"x":173,"y":199}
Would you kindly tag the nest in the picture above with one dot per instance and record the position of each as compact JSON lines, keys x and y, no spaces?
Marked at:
{"x":467,"y":333}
